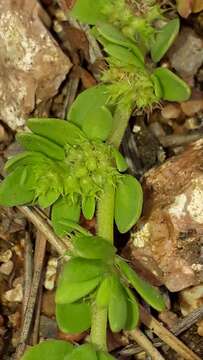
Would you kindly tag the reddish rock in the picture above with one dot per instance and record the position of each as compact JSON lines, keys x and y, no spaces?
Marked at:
{"x":168,"y":240}
{"x":32,"y":66}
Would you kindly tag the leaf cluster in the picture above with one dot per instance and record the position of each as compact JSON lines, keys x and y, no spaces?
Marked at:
{"x":130,"y":79}
{"x":95,"y":274}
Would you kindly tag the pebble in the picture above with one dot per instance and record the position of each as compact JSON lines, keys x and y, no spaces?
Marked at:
{"x":15,"y":294}
{"x":191,"y":299}
{"x":50,"y":276}
{"x":192,"y":107}
{"x":6,"y":268}
{"x":6,"y":256}
{"x":171,"y":111}
{"x":186,"y":55}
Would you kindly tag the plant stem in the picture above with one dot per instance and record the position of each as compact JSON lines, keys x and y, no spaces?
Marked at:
{"x":120,"y":123}
{"x":105,"y":221}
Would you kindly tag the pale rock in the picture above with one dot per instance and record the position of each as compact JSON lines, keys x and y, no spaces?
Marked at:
{"x":168,"y":240}
{"x":6,"y":268}
{"x":186,"y":55}
{"x":32,"y":66}
{"x":6,"y":256}
{"x":194,"y":105}
{"x":50,"y":275}
{"x":14,"y":295}
{"x":191,"y":299}
{"x":171,"y":111}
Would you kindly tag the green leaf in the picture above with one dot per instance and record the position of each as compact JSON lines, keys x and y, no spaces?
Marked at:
{"x":104,"y":292}
{"x":64,"y":209}
{"x":88,"y":206}
{"x":164,"y":39}
{"x":157,"y":86}
{"x":50,"y":349}
{"x":132,"y":311}
{"x":148,"y":292}
{"x":48,"y":199}
{"x":82,"y":352}
{"x":173,"y":87}
{"x":79,"y":270}
{"x":121,"y":164}
{"x":93,"y":247}
{"x":74,"y":291}
{"x":89,"y":11}
{"x":99,"y":123}
{"x":125,"y":56}
{"x":113,"y":35}
{"x":73,"y":318}
{"x":13,"y":191}
{"x":117,"y":307}
{"x":59,"y":131}
{"x":33,"y":142}
{"x":88,"y":101}
{"x":101,"y":355}
{"x":25,"y":158}
{"x":128,"y":203}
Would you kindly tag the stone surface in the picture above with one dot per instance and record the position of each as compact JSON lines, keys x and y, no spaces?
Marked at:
{"x":32,"y":66}
{"x":186,"y":55}
{"x":194,"y":105}
{"x":191,"y":299}
{"x":168,"y":241}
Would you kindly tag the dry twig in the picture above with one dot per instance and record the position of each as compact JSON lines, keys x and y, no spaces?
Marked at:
{"x":145,"y":343}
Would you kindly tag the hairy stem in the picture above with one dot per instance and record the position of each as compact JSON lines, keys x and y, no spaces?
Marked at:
{"x":105,"y":220}
{"x":120,"y":123}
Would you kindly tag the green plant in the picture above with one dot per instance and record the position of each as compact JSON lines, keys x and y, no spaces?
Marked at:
{"x":127,"y":32}
{"x":73,"y":166}
{"x":70,"y":168}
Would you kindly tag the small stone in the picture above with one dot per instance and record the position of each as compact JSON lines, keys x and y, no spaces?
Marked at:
{"x":6,"y":256}
{"x":50,"y":276}
{"x":191,"y":299}
{"x":6,"y":268}
{"x":15,"y":294}
{"x":186,"y":55}
{"x":192,"y":107}
{"x":192,"y":123}
{"x":171,"y":111}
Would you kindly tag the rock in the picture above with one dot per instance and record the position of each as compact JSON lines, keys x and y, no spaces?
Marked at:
{"x":194,"y":105}
{"x":6,"y":256}
{"x":15,"y":294}
{"x":191,"y":299}
{"x":32,"y":66}
{"x":50,"y":276}
{"x":7,"y":268}
{"x":186,"y":55}
{"x":171,"y":111}
{"x":168,"y":241}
